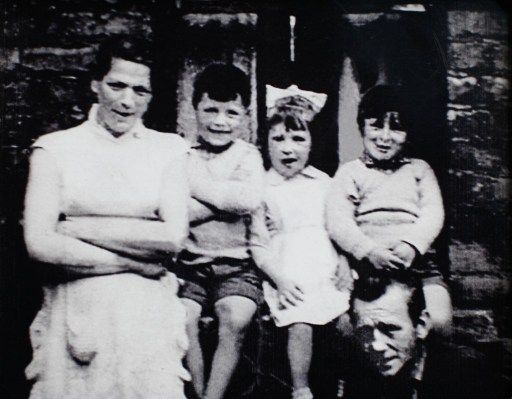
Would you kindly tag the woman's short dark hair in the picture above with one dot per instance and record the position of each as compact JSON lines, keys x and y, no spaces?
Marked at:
{"x":222,"y":82}
{"x":129,"y":49}
{"x":382,"y":99}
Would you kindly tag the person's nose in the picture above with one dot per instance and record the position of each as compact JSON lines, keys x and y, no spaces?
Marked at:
{"x":128,"y":98}
{"x":385,"y":132}
{"x":378,"y":343}
{"x":286,"y":150}
{"x":286,"y":147}
{"x":220,"y":120}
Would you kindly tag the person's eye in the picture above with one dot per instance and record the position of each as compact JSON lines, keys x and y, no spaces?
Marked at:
{"x":278,"y":138}
{"x":117,"y":85}
{"x":299,"y":139}
{"x":388,"y":329}
{"x":142,"y":91}
{"x":396,"y":125}
{"x":210,"y":110}
{"x":233,"y":112}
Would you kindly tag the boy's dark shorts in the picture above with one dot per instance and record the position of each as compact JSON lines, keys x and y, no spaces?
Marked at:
{"x":208,"y":282}
{"x":424,"y":267}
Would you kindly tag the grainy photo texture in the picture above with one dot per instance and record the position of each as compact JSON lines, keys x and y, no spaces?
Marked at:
{"x":207,"y":199}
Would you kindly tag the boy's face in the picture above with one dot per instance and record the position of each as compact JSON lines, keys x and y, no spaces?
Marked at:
{"x":123,"y":95}
{"x":288,"y":150}
{"x":384,"y":139}
{"x":218,"y":123}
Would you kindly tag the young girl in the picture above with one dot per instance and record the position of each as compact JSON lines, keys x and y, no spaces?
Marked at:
{"x":310,"y":283}
{"x":385,"y":209}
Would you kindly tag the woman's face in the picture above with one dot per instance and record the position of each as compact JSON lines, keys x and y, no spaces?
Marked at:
{"x":384,"y":139}
{"x":288,"y":149}
{"x":123,"y":95}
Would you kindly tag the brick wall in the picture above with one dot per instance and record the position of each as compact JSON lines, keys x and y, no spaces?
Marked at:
{"x":479,"y":178}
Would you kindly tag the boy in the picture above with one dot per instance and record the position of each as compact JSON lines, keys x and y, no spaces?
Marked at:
{"x":385,"y":209}
{"x":226,"y":181}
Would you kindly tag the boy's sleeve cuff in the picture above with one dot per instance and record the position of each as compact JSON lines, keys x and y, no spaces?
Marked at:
{"x":419,"y":247}
{"x":362,"y":249}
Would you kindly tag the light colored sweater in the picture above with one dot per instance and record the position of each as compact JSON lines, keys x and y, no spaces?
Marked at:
{"x":230,"y":184}
{"x":369,"y":207}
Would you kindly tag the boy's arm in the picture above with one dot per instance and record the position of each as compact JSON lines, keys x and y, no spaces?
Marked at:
{"x":259,"y":241}
{"x":430,"y":222}
{"x":198,"y":212}
{"x":340,"y":216}
{"x":242,"y":194}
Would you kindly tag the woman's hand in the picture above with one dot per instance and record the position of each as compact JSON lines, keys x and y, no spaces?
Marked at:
{"x":385,"y":259}
{"x":289,"y":292}
{"x":145,"y":269}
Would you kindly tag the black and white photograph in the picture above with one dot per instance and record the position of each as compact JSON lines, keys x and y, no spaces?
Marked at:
{"x":255,"y":199}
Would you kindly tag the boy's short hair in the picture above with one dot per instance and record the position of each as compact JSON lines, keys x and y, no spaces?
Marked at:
{"x":222,"y":82}
{"x":381,"y":99}
{"x":129,"y":49}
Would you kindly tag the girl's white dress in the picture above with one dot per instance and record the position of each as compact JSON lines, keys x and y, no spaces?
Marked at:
{"x":302,"y":250}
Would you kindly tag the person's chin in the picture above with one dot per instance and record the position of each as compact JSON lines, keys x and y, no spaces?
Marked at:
{"x":219,"y":141}
{"x":382,"y":156}
{"x":118,"y":128}
{"x":390,"y":369}
{"x":287,"y":172}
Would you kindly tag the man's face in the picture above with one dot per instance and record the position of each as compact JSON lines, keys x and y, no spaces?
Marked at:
{"x":123,"y":95}
{"x":218,"y":122}
{"x":288,"y":150}
{"x":385,"y":331}
{"x":384,"y":139}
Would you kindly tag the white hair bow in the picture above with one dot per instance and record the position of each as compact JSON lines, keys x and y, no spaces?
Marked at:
{"x":308,"y":103}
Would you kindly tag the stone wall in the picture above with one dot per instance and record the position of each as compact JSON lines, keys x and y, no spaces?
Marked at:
{"x":479,"y":179}
{"x":47,"y":49}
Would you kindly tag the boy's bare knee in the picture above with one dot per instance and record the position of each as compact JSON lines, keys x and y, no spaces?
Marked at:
{"x":439,"y":306}
{"x":234,"y":317}
{"x":194,"y":311}
{"x":441,"y":323}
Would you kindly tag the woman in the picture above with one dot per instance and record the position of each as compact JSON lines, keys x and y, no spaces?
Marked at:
{"x":105,"y":203}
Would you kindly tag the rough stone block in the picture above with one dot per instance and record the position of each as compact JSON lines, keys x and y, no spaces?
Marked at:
{"x":477,"y":124}
{"x":58,"y":59}
{"x":87,"y":27}
{"x":14,"y":90}
{"x":56,"y":88}
{"x":478,"y":189}
{"x":478,"y":91}
{"x":481,"y":158}
{"x":487,"y":225}
{"x":474,"y":325}
{"x":470,"y":258}
{"x":483,"y":57}
{"x":9,"y":59}
{"x":463,"y":24}
{"x":496,"y":86}
{"x":479,"y":290}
